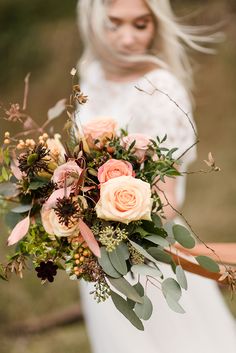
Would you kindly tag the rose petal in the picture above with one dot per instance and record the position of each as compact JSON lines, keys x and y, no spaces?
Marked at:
{"x":19,"y":231}
{"x":88,"y":236}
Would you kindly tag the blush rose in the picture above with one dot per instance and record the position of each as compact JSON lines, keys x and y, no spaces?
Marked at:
{"x":141,"y":144}
{"x":114,"y":168}
{"x":100,"y":128}
{"x":66,"y":174}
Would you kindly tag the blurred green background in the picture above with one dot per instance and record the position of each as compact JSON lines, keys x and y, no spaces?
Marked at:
{"x":41,"y":37}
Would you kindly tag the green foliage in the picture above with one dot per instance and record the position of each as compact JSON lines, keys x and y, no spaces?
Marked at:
{"x":183,"y":236}
{"x":207,"y":263}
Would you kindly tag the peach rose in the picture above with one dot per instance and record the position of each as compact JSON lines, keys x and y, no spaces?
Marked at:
{"x":50,"y":219}
{"x":114,"y":168}
{"x":68,"y":173}
{"x":124,"y":199}
{"x":141,"y":144}
{"x":100,"y":129}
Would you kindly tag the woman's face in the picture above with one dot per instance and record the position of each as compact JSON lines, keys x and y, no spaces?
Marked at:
{"x":131,"y":28}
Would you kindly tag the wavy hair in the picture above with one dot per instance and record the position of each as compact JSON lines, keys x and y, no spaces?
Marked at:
{"x":169,"y":47}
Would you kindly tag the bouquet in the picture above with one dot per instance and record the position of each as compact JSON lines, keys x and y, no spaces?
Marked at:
{"x":92,"y":204}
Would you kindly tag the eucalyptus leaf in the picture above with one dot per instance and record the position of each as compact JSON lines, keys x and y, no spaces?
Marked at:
{"x":207,"y":263}
{"x":146,"y":270}
{"x":157,"y":239}
{"x":122,"y":305}
{"x":168,"y":228}
{"x":123,"y":248}
{"x":144,"y":311}
{"x":118,"y":260}
{"x":21,"y":208}
{"x":160,"y":255}
{"x":174,"y":305}
{"x":142,"y":251}
{"x":157,"y":220}
{"x":170,"y":287}
{"x":8,"y":189}
{"x":123,"y":286}
{"x":12,"y":219}
{"x":181,"y":277}
{"x":105,"y":262}
{"x":139,"y":288}
{"x":183,"y":236}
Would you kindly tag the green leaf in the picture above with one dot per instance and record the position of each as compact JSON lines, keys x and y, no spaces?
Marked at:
{"x":207,"y":263}
{"x":142,"y":251}
{"x":123,"y":249}
{"x":168,"y":228}
{"x":118,"y":260}
{"x":8,"y":189}
{"x":146,"y":270}
{"x":4,"y":173}
{"x":174,"y":305}
{"x":183,"y":236}
{"x":122,"y":305}
{"x":105,"y":262}
{"x":141,"y":231}
{"x":156,"y":239}
{"x":171,"y":288}
{"x":181,"y":277}
{"x":144,"y":311}
{"x":139,"y":288}
{"x":157,"y":220}
{"x":34,"y":185}
{"x":123,"y":286}
{"x":21,"y":208}
{"x":160,"y":255}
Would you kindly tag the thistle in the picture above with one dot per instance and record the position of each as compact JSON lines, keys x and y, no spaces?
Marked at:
{"x":33,"y":161}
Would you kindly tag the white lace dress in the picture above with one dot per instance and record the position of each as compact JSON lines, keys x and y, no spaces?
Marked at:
{"x":207,"y":326}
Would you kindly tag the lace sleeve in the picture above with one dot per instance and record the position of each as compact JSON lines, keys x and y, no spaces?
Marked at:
{"x":163,"y":107}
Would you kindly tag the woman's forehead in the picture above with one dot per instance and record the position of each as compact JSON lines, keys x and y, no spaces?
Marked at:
{"x":128,"y":9}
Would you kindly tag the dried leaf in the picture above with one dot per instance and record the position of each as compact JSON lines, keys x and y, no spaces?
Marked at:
{"x":58,"y":108}
{"x":88,"y":236}
{"x":19,"y":231}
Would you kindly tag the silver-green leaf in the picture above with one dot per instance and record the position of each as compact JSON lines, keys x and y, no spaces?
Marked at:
{"x":207,"y":263}
{"x":158,"y":240}
{"x":105,"y":262}
{"x":144,"y":311}
{"x":146,"y":270}
{"x":181,"y":277}
{"x":183,"y":236}
{"x":122,"y":305}
{"x":118,"y":260}
{"x":123,"y":286}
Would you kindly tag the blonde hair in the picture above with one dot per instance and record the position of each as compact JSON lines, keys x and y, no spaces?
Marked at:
{"x":169,"y":47}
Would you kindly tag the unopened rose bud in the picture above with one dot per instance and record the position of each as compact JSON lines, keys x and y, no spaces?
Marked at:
{"x":45,"y":136}
{"x":7,"y":134}
{"x":6,"y":141}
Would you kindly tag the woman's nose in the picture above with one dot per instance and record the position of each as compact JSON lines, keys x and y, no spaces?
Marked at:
{"x":127,"y":38}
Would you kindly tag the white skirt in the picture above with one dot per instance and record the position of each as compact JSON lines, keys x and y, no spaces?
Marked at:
{"x":206,"y":327}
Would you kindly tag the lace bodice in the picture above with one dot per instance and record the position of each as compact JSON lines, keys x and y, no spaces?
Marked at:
{"x":141,"y":108}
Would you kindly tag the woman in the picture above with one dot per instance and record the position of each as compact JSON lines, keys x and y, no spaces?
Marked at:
{"x":135,"y":69}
